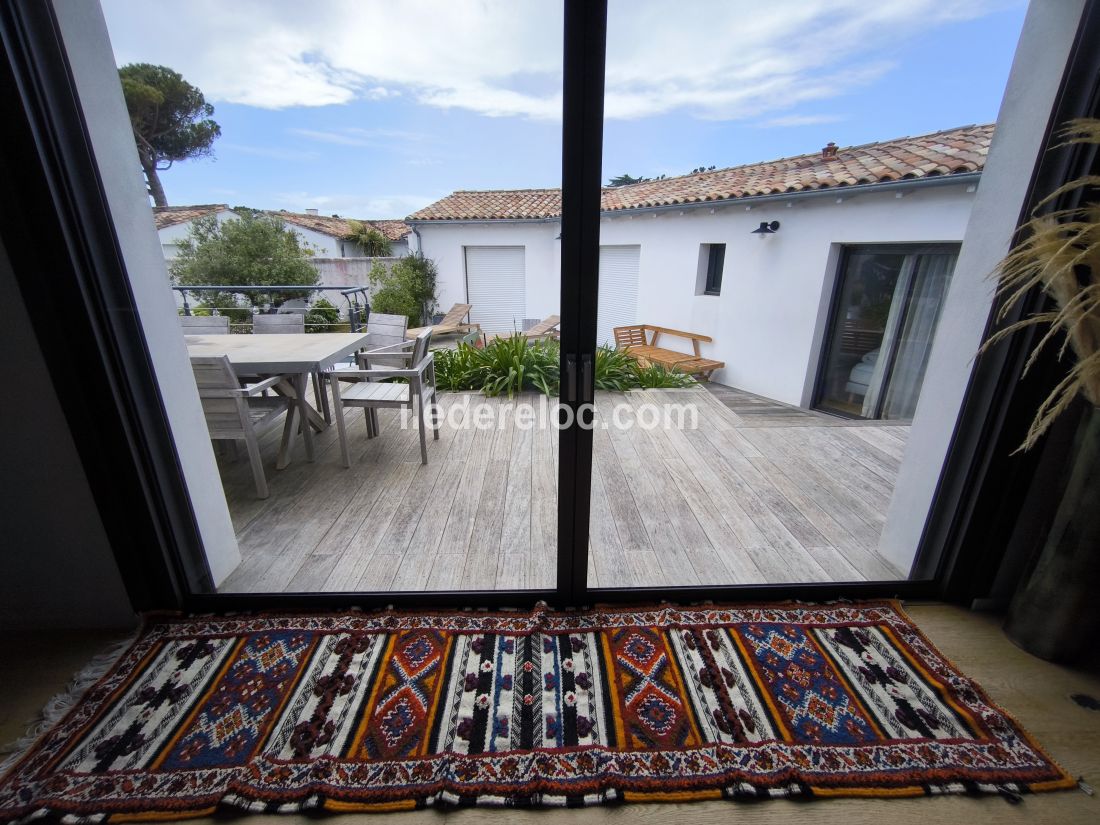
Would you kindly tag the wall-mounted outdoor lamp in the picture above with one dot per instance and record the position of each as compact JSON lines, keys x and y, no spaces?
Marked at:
{"x":766,"y":229}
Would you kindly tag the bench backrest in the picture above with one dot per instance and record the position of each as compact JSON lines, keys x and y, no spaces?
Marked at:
{"x":205,"y":324}
{"x":632,"y":336}
{"x":285,"y":324}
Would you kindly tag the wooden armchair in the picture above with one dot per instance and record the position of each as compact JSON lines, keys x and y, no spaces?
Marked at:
{"x":371,"y":394}
{"x":234,"y":412}
{"x":640,"y":342}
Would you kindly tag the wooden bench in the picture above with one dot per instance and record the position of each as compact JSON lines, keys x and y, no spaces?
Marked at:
{"x":640,"y":342}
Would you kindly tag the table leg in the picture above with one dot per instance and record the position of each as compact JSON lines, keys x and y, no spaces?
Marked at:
{"x":283,"y":457}
{"x":300,"y":381}
{"x":290,"y":389}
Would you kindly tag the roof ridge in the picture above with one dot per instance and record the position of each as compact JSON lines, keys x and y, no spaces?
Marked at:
{"x":816,"y":155}
{"x":191,"y":206}
{"x":483,"y":191}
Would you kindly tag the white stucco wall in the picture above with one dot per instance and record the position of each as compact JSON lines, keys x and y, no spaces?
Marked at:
{"x":444,"y":244}
{"x":769,"y":320}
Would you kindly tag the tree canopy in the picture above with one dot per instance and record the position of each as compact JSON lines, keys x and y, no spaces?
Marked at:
{"x":170,"y":118}
{"x":625,"y":180}
{"x":252,"y":250}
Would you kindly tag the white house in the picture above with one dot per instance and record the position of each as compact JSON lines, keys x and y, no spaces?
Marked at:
{"x":819,"y":277}
{"x":339,"y":262}
{"x":325,"y":234}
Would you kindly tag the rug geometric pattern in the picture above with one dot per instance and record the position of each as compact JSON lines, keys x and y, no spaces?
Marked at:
{"x":390,"y":710}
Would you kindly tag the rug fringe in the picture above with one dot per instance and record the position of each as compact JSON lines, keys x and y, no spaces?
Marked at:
{"x":60,"y":704}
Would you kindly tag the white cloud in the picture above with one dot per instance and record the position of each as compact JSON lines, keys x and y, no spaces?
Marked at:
{"x":799,"y":120}
{"x":708,"y":58}
{"x":355,"y":206}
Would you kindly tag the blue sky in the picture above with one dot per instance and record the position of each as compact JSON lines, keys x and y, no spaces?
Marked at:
{"x":374,"y":108}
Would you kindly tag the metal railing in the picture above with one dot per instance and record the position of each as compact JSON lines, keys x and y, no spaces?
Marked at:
{"x":273,"y":299}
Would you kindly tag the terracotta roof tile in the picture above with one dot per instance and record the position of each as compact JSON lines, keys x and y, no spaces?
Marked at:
{"x":394,"y":230}
{"x":497,"y":204}
{"x":165,"y":216}
{"x":950,"y":152}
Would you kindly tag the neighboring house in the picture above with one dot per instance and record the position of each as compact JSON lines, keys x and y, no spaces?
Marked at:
{"x":834,"y":309}
{"x":174,"y":223}
{"x":325,"y":234}
{"x":339,"y":262}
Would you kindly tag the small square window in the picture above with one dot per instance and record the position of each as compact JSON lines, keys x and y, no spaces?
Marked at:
{"x":716,"y":259}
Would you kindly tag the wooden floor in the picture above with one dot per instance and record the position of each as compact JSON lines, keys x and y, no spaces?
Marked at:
{"x":736,"y":499}
{"x":35,"y":666}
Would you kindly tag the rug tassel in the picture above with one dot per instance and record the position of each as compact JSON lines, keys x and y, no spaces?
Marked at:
{"x":60,"y":704}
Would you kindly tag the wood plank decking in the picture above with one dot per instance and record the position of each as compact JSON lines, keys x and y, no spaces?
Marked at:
{"x":748,"y":496}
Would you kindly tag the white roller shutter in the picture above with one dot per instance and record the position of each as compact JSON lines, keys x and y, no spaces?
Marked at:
{"x":618,"y":290}
{"x":496,"y":287}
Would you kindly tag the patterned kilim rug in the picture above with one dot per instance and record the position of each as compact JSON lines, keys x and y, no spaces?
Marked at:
{"x":398,"y":710}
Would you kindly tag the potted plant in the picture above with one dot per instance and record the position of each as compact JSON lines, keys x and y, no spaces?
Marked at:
{"x":1055,"y":613}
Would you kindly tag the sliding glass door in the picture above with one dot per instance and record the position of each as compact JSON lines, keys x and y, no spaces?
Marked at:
{"x":883,"y":321}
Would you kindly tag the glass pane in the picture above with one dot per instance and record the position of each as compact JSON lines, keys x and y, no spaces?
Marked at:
{"x":792,"y":211}
{"x":931,"y":277}
{"x":382,"y":170}
{"x":856,"y":360}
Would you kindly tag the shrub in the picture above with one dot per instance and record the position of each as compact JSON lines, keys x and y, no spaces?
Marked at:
{"x":510,"y":365}
{"x":253,"y":250}
{"x":513,"y":364}
{"x":656,"y":377}
{"x":614,"y":369}
{"x":456,"y":369}
{"x":238,"y":309}
{"x":407,"y":288}
{"x":322,"y":316}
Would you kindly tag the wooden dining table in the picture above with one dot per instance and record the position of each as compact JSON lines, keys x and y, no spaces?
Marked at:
{"x":296,"y":356}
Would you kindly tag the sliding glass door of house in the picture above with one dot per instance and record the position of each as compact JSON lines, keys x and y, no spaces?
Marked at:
{"x":883,"y":322}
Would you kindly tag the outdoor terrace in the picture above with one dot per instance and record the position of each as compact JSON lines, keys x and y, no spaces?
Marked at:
{"x":756,"y":492}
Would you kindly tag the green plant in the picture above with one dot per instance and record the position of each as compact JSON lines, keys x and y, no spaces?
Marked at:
{"x":406,"y":288}
{"x":238,"y":309}
{"x":656,"y":377}
{"x":614,"y":369}
{"x":513,"y":364}
{"x":373,"y":243}
{"x":254,"y":250}
{"x":1060,"y":252}
{"x":322,"y":316}
{"x":456,"y":369}
{"x":509,"y":365}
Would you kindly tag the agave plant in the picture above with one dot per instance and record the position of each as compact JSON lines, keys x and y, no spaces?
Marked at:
{"x":1060,"y":251}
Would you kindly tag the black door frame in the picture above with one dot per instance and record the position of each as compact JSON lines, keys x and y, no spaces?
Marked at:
{"x":52,"y":204}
